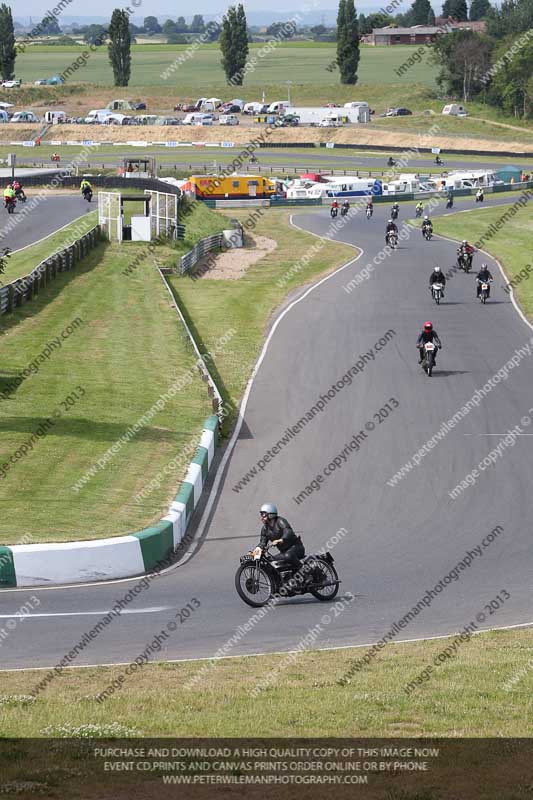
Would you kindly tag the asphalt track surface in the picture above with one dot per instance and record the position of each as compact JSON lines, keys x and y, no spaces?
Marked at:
{"x":400,"y":541}
{"x":53,"y":211}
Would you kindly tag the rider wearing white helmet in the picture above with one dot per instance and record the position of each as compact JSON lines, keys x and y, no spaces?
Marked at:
{"x":437,"y":276}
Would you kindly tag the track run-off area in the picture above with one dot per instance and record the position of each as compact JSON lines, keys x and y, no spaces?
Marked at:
{"x":345,"y":347}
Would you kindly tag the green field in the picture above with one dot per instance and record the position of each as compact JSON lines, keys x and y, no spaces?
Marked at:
{"x":303,"y":63}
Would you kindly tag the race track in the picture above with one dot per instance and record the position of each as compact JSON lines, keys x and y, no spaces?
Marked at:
{"x":52,"y":212}
{"x":399,"y":540}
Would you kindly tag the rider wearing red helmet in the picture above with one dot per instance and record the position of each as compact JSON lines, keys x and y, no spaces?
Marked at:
{"x":428,"y":334}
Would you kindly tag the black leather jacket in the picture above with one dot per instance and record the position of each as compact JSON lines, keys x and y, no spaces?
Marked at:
{"x":429,"y":336}
{"x":437,"y":277}
{"x":484,"y":275}
{"x":279,"y":529}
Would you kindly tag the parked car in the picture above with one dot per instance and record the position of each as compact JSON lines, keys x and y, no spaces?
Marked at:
{"x":41,"y":82}
{"x":11,"y":84}
{"x":332,"y":105}
{"x":398,"y":112}
{"x":171,"y":121}
{"x":186,"y":107}
{"x":329,"y":123}
{"x":24,"y":116}
{"x":139,"y":106}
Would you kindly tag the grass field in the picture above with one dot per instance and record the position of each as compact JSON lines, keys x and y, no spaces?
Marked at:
{"x":304,"y":63}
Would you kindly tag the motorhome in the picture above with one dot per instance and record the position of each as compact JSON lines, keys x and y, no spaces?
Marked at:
{"x":254,"y":108}
{"x":279,"y":107}
{"x":98,"y":115}
{"x":469,"y":180}
{"x":228,"y":119}
{"x":231,"y":187}
{"x":55,"y":117}
{"x":197,"y":119}
{"x":330,"y":186}
{"x":315,"y":115}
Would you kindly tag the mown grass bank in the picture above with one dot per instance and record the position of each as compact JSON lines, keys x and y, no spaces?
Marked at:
{"x":113,"y":343}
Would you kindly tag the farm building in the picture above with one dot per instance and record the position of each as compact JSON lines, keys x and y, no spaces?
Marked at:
{"x":418,"y":34}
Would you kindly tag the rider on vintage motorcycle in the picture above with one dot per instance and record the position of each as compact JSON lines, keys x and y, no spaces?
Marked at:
{"x":484,"y":276}
{"x":427,"y":223}
{"x":465,"y":250}
{"x":391,"y":228}
{"x":437,"y":276}
{"x":278,"y":531}
{"x":346,"y":206}
{"x":419,"y":209}
{"x":428,"y":334}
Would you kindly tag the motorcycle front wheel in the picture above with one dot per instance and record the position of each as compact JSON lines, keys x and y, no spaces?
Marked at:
{"x":255,"y":592}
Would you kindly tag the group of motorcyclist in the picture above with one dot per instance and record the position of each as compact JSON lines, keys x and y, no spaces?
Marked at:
{"x":13,"y":192}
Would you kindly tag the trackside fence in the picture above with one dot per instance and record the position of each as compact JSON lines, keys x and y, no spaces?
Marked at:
{"x":20,"y":291}
{"x":200,"y":249}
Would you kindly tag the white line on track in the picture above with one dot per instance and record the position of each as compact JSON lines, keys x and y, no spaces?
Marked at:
{"x":153,"y":610}
{"x":38,"y":241}
{"x":278,"y":652}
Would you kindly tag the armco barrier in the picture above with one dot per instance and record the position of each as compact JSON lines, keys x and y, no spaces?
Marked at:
{"x":190,"y":259}
{"x":148,"y":550}
{"x":20,"y":291}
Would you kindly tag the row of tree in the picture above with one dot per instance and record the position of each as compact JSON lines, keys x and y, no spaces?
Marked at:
{"x":496,"y":67}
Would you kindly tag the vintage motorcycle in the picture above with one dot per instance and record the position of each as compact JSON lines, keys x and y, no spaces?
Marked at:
{"x":261,"y":577}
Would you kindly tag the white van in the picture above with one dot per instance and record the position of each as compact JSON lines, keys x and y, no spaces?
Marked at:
{"x":98,"y":115}
{"x":355,"y":104}
{"x":278,"y":107}
{"x":228,"y":119}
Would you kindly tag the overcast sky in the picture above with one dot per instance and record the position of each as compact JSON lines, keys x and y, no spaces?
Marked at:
{"x":38,"y":8}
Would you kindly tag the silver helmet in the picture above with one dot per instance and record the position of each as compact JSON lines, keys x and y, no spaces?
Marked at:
{"x":270,"y":509}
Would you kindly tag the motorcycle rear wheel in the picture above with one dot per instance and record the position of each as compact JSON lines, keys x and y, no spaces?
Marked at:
{"x":329,"y":574}
{"x":252,"y":594}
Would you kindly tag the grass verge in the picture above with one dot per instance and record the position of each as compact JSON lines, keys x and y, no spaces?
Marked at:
{"x":127,"y":346}
{"x":484,"y":690}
